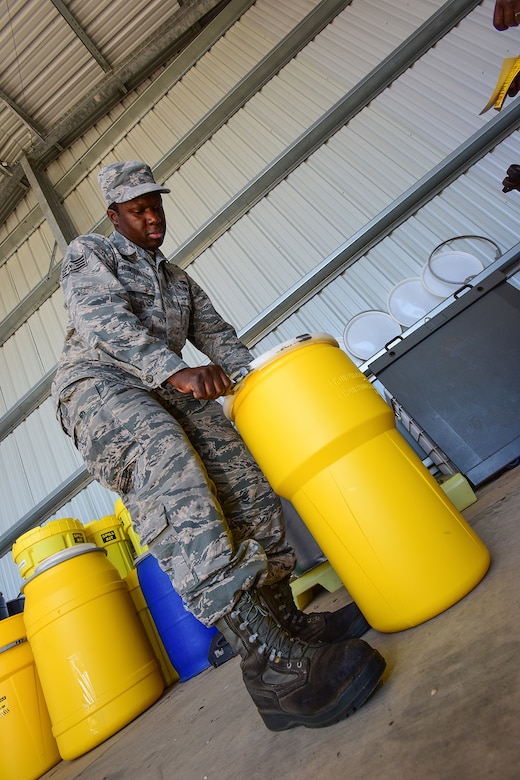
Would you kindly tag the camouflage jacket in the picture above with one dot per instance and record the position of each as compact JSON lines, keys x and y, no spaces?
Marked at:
{"x":129,"y":316}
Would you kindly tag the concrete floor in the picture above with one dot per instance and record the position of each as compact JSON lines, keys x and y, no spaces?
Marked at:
{"x":448,"y":707}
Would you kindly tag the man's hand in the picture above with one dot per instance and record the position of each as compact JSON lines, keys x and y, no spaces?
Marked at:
{"x":506,"y":14}
{"x":205,"y":382}
{"x":512,"y":180}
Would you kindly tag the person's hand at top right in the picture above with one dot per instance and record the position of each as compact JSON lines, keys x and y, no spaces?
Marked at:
{"x":506,"y":14}
{"x":512,"y":180}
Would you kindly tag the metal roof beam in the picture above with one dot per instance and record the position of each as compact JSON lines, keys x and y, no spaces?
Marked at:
{"x":27,"y":404}
{"x":46,"y":508}
{"x":33,"y":126}
{"x":82,"y":35}
{"x":57,"y":218}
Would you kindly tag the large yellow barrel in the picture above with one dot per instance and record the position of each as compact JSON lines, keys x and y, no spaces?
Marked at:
{"x":327,"y":441}
{"x":27,"y":746}
{"x":95,"y":663}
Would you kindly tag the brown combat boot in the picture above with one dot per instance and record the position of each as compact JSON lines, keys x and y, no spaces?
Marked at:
{"x":331,"y":627}
{"x":295,"y":683}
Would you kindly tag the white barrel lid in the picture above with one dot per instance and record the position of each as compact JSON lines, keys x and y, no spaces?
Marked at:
{"x":409,"y":300}
{"x":288,"y":346}
{"x":444,"y":273}
{"x":272,"y":354}
{"x":369,"y":331}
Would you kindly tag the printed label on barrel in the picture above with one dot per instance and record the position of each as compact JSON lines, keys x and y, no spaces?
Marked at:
{"x":347,"y":380}
{"x":4,"y":707}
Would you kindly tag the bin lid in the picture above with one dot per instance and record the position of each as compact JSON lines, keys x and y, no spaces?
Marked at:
{"x":368,"y":332}
{"x":271,"y":355}
{"x":444,"y":273}
{"x":288,"y":346}
{"x":42,"y":532}
{"x":409,"y":300}
{"x":63,"y":555}
{"x":97,"y":526}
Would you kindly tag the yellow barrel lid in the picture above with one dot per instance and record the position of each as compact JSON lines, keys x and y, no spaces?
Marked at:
{"x":42,"y":532}
{"x":108,"y":521}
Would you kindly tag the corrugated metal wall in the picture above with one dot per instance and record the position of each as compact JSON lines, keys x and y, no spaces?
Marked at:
{"x":399,"y":137}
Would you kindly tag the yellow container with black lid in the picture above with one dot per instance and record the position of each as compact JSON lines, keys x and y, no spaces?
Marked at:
{"x":123,"y":515}
{"x":110,"y":533}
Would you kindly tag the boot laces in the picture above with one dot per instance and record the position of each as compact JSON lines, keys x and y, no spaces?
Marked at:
{"x":290,"y":612}
{"x":274,"y":640}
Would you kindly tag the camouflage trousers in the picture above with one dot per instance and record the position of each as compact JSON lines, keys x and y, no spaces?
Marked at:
{"x":194,"y":493}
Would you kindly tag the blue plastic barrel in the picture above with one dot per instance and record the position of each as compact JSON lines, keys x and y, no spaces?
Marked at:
{"x":185,"y":639}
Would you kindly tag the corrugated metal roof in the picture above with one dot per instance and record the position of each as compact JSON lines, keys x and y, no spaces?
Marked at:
{"x":468,"y":206}
{"x":67,"y":64}
{"x":28,"y":265}
{"x":278,"y":114}
{"x":46,"y":67}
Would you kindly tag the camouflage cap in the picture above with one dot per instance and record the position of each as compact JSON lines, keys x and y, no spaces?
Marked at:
{"x":123,"y":181}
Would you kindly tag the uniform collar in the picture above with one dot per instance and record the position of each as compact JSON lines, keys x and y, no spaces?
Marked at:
{"x":126,"y":247}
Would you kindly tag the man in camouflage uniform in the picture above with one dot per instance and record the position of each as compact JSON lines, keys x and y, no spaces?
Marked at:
{"x":148,"y":427}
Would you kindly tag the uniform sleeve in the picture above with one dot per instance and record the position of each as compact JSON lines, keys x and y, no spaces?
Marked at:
{"x":213,"y":336}
{"x":99,"y":311}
